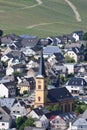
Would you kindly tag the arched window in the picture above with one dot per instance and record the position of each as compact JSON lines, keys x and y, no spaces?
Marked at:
{"x":73,"y":107}
{"x":39,"y":98}
{"x":39,"y":86}
{"x":61,"y":108}
{"x":68,"y":107}
{"x":65,"y":107}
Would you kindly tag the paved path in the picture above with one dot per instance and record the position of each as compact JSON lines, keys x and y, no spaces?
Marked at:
{"x":77,"y":15}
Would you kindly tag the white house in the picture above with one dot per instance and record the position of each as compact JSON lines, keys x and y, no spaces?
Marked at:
{"x":18,"y":109}
{"x":5,"y":125}
{"x":9,"y":71}
{"x":5,"y":118}
{"x":70,"y":67}
{"x":76,"y":85}
{"x":4,"y":58}
{"x":28,"y":52}
{"x":40,"y":119}
{"x":75,"y":36}
{"x":31,"y":64}
{"x":52,"y":60}
{"x":3,"y":91}
{"x":8,"y":89}
{"x":42,"y":122}
{"x":50,"y":50}
{"x":79,"y":124}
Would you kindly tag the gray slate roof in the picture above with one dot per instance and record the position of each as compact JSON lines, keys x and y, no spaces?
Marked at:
{"x":59,"y":94}
{"x":76,"y":81}
{"x":8,"y":102}
{"x":84,"y":115}
{"x":49,"y":50}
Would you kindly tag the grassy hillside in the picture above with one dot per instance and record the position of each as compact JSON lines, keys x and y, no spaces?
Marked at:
{"x":53,"y":17}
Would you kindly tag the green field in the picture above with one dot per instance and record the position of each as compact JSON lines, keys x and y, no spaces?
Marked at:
{"x":51,"y":18}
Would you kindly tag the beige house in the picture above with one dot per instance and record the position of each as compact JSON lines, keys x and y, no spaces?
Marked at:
{"x":32,"y":72}
{"x":75,"y":53}
{"x":24,"y":86}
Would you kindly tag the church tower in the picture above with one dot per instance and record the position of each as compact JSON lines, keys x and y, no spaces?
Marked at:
{"x":41,"y":85}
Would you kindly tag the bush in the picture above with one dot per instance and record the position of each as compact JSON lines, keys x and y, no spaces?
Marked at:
{"x":68,"y":59}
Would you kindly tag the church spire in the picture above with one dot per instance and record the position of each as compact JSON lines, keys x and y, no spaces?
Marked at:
{"x":42,"y":66}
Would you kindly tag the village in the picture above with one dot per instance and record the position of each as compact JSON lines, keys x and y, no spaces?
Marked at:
{"x":43,"y":81}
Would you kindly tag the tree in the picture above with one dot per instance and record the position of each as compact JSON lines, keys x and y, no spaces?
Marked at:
{"x":68,"y":59}
{"x":20,"y":121}
{"x":49,"y":108}
{"x":17,"y":74}
{"x":28,"y":122}
{"x":63,"y":79}
{"x":85,"y":36}
{"x":56,"y":107}
{"x":70,"y":75}
{"x":5,"y":64}
{"x":80,"y":107}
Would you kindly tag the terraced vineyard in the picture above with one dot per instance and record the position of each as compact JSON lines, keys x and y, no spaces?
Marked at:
{"x":48,"y":18}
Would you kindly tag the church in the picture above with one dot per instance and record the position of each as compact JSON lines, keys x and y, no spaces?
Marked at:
{"x":45,"y":97}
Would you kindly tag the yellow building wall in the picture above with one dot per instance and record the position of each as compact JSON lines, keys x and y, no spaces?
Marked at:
{"x":41,"y":91}
{"x":24,"y":88}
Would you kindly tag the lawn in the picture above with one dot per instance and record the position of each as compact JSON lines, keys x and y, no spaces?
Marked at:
{"x":53,"y":17}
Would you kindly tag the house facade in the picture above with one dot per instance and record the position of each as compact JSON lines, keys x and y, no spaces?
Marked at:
{"x":76,"y":86}
{"x":38,"y":115}
{"x":5,"y":118}
{"x":24,"y":86}
{"x":57,"y":122}
{"x":7,"y":89}
{"x":18,"y":109}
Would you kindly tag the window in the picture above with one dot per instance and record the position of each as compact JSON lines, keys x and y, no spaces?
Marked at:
{"x":3,"y":124}
{"x":39,"y":98}
{"x":57,"y":121}
{"x":65,"y":107}
{"x":39,"y":86}
{"x":68,"y":107}
{"x":18,"y":111}
{"x":72,"y":106}
{"x":72,"y":91}
{"x":62,"y":108}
